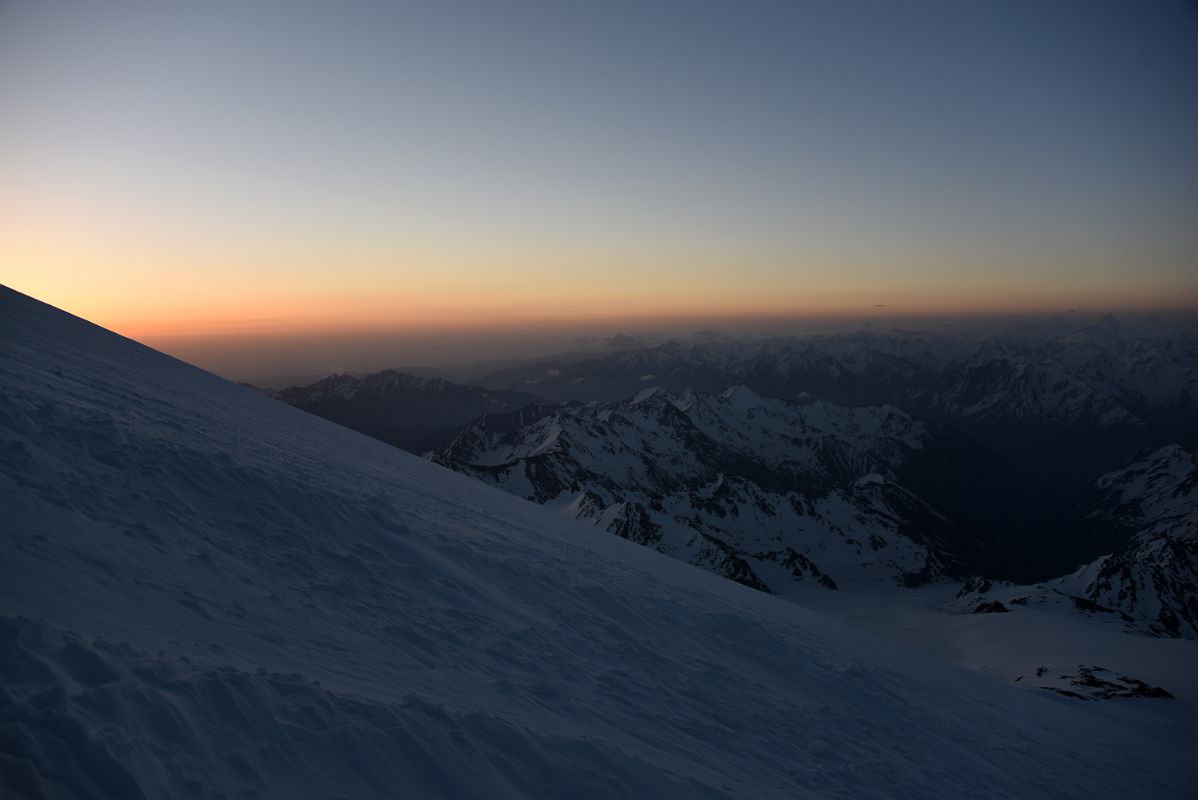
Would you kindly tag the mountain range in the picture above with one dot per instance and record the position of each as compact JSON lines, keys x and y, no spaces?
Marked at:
{"x":1066,"y":402}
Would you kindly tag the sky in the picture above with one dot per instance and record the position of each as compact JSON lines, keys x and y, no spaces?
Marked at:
{"x":197,"y":174}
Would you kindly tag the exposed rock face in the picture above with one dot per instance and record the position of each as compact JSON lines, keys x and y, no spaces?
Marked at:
{"x":1093,"y":683}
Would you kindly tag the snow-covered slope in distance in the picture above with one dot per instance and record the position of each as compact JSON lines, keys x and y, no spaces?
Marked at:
{"x":760,"y":490}
{"x":206,"y":593}
{"x":1033,"y":646}
{"x":1143,"y":518}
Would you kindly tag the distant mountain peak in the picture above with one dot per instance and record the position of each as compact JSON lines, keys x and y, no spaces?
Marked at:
{"x":645,"y":395}
{"x":742,"y":396}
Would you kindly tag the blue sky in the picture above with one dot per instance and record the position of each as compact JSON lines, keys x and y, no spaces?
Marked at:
{"x":226,"y":166}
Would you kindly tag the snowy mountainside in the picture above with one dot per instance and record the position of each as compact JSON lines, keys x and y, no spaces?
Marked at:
{"x":401,"y":409}
{"x":1009,"y":388}
{"x":1157,"y":486}
{"x":1042,"y":642}
{"x":205,"y":593}
{"x":759,"y":490}
{"x":1143,"y":518}
{"x":1155,"y":372}
{"x":1151,"y":504}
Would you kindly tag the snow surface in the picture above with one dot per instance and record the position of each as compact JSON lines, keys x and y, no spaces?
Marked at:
{"x":1012,"y":647}
{"x":206,"y":593}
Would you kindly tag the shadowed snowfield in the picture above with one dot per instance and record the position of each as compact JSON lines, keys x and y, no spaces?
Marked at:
{"x":206,"y":593}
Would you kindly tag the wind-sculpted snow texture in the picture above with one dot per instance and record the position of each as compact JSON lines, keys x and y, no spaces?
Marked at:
{"x":762,"y":491}
{"x":205,"y":593}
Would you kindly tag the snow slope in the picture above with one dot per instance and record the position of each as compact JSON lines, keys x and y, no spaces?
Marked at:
{"x":205,"y":593}
{"x":1032,"y":646}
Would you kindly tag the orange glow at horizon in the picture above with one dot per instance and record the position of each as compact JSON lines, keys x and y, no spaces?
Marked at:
{"x":160,"y":311}
{"x":421,"y":170}
{"x":156,"y":282}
